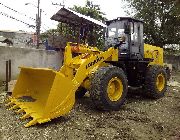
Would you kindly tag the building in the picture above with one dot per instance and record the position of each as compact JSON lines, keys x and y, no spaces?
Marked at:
{"x":19,"y":38}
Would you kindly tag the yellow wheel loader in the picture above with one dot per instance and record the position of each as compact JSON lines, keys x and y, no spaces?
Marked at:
{"x":44,"y":94}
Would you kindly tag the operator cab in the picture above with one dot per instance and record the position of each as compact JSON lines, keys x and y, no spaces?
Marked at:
{"x":127,"y":35}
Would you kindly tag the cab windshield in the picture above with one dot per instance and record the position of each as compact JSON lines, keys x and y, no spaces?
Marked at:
{"x":115,"y":29}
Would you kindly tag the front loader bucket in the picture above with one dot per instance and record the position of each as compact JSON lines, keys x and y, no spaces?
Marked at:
{"x":43,"y":94}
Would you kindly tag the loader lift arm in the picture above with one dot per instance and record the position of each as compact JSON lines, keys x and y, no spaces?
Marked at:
{"x":83,"y":65}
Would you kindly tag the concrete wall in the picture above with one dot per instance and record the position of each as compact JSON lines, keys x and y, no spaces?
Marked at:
{"x":28,"y":57}
{"x":174,"y":60}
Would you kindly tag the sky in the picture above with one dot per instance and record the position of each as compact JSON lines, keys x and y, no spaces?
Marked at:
{"x":27,"y":10}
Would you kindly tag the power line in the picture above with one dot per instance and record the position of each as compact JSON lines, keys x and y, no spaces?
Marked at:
{"x":17,"y":11}
{"x":20,"y":14}
{"x":4,"y":14}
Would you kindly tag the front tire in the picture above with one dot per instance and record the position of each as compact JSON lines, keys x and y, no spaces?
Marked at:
{"x":155,"y":82}
{"x":108,"y":88}
{"x":80,"y":92}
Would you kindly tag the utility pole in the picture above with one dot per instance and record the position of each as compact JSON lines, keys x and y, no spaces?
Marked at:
{"x":38,"y":23}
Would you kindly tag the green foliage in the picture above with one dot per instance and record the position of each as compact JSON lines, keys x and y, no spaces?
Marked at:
{"x":70,"y":32}
{"x":91,"y":10}
{"x":172,"y":52}
{"x":162,"y":20}
{"x":45,"y":35}
{"x":94,"y":12}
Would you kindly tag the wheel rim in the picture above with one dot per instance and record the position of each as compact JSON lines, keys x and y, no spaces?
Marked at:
{"x":160,"y":82}
{"x":115,"y":89}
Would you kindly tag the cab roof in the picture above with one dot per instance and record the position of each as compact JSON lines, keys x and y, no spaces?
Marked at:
{"x":123,"y":18}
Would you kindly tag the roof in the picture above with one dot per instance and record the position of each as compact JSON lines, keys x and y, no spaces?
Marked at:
{"x":124,"y":18}
{"x":66,"y":15}
{"x":14,"y":31}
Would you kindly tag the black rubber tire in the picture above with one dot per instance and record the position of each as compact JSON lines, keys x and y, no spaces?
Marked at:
{"x":98,"y":88}
{"x":80,"y":92}
{"x":150,"y":82}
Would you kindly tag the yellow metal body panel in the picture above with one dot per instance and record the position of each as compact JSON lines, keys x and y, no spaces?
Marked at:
{"x":44,"y":94}
{"x":156,"y":53}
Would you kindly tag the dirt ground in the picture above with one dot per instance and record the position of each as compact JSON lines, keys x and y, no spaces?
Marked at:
{"x":139,"y":119}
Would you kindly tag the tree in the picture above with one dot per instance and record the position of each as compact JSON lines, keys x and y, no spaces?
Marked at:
{"x":94,"y":12}
{"x":47,"y":33}
{"x":162,"y":20}
{"x":91,"y":10}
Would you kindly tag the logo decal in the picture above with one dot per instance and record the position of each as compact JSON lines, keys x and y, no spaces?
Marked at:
{"x":94,"y":62}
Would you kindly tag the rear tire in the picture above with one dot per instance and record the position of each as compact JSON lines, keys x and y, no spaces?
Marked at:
{"x":108,"y":88}
{"x":168,"y":72}
{"x":155,"y":82}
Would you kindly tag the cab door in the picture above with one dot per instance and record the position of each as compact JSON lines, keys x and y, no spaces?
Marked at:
{"x":136,"y":49}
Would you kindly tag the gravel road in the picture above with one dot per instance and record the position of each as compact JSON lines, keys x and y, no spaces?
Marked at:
{"x":139,"y":119}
